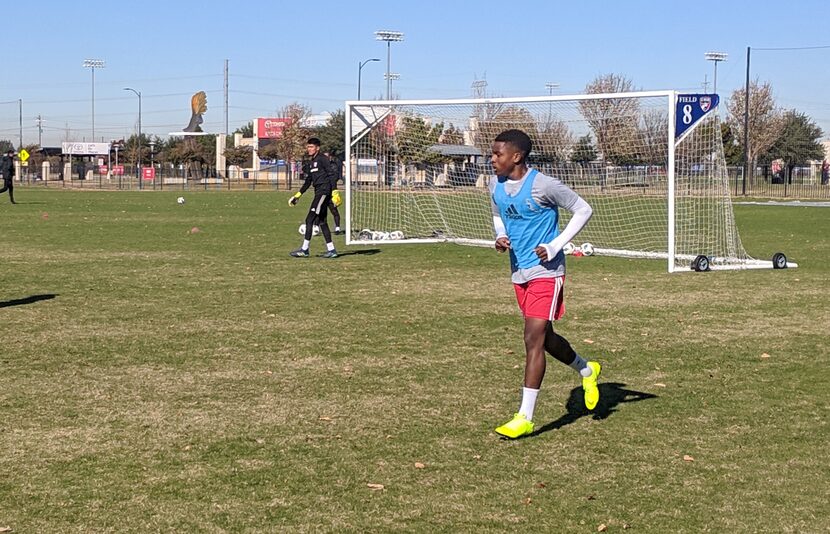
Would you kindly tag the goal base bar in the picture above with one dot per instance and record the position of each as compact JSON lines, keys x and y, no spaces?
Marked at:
{"x":715,"y":263}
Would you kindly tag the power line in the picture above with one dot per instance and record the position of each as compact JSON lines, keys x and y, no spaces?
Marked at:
{"x":795,"y":48}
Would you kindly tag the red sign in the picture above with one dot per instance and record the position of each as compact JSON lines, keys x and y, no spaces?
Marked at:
{"x":390,"y":123}
{"x":271,"y":128}
{"x":118,"y":169}
{"x":148,"y":173}
{"x":102,"y":169}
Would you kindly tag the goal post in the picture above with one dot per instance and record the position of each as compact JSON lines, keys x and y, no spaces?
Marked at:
{"x":650,"y":164}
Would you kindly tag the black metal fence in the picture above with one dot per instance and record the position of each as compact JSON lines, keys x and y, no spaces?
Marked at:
{"x":236,"y":181}
{"x":769,"y":182}
{"x":797,"y":183}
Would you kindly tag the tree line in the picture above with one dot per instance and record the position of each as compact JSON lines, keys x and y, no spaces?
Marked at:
{"x":620,"y":134}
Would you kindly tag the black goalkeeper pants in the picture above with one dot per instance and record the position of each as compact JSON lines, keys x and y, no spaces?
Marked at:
{"x":318,"y":214}
{"x":8,"y":185}
{"x":334,"y":213}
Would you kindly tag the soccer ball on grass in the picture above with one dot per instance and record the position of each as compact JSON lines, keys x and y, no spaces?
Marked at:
{"x":180,"y":200}
{"x":587,"y":249}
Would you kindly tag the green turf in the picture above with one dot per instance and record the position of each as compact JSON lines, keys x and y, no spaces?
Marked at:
{"x":157,"y":378}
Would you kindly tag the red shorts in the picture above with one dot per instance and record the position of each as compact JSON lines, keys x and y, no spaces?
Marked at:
{"x":542,"y":298}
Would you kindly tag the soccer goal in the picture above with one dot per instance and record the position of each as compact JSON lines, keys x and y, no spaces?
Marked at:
{"x":650,"y":164}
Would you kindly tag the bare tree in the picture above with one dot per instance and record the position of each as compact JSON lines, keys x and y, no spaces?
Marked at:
{"x":765,"y":120}
{"x":654,"y":133}
{"x":554,"y":141}
{"x":614,"y":120}
{"x":291,"y":145}
{"x":505,"y":118}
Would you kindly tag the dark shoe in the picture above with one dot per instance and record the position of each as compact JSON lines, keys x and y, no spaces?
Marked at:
{"x":299,"y":253}
{"x":329,"y":254}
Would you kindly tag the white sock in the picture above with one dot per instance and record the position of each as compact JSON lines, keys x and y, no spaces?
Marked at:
{"x":581,"y":366}
{"x":528,"y":402}
{"x":306,"y":244}
{"x":336,"y":228}
{"x":329,"y":246}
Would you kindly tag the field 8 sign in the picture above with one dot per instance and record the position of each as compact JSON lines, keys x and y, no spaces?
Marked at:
{"x":689,"y":109}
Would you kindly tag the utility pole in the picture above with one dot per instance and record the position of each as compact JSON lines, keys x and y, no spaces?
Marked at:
{"x":39,"y":121}
{"x":20,"y":102}
{"x":226,"y":97}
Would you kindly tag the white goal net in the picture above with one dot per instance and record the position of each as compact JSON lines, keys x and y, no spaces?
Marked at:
{"x":418,"y":171}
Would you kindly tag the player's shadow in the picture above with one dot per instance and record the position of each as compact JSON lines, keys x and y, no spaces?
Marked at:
{"x":611,"y":395}
{"x":26,"y":300}
{"x":364,"y":252}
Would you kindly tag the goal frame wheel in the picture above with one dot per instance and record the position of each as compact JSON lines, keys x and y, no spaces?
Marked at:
{"x":701,"y":263}
{"x":779,"y":261}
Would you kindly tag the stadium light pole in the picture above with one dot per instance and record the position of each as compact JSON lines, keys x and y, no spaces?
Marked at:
{"x":359,"y":69}
{"x":550,"y":86}
{"x":389,"y":36}
{"x":715,"y":57}
{"x":138,"y":152}
{"x":390,"y":77}
{"x":93,"y":64}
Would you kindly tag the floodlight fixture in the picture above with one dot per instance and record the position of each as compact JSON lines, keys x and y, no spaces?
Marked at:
{"x":716,"y":57}
{"x":550,"y":86}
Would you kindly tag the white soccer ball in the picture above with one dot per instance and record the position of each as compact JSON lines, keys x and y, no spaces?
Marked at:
{"x":569,"y":248}
{"x":180,"y":200}
{"x":315,"y":230}
{"x":365,"y":235}
{"x":587,"y":249}
{"x":397,"y":234}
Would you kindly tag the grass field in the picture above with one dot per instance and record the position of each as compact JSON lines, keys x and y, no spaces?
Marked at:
{"x":157,"y":378}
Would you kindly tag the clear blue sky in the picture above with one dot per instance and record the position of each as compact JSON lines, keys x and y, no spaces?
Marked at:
{"x":281,"y":52}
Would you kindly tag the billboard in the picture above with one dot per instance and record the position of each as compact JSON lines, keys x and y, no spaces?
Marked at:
{"x":85,"y":149}
{"x":271,"y":128}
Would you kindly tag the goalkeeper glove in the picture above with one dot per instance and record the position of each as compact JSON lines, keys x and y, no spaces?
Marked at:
{"x":336,"y":199}
{"x":293,"y":200}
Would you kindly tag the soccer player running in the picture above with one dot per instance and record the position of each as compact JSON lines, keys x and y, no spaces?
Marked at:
{"x":525,"y":207}
{"x":317,"y":171}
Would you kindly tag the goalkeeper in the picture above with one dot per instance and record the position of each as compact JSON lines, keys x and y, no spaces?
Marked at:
{"x":317,"y":171}
{"x":525,"y":205}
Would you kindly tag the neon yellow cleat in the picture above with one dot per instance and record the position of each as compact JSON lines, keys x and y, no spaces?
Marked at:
{"x":589,"y":385}
{"x":515,"y":428}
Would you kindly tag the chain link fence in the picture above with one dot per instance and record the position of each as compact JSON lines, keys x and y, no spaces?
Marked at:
{"x":806,"y":183}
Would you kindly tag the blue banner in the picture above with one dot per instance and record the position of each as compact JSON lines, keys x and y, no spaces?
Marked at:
{"x":689,"y":109}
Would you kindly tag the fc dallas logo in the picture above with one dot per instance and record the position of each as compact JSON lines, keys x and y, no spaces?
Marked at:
{"x":705,"y":103}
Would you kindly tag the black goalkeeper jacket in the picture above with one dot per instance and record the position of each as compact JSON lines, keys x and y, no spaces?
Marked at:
{"x":318,"y":172}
